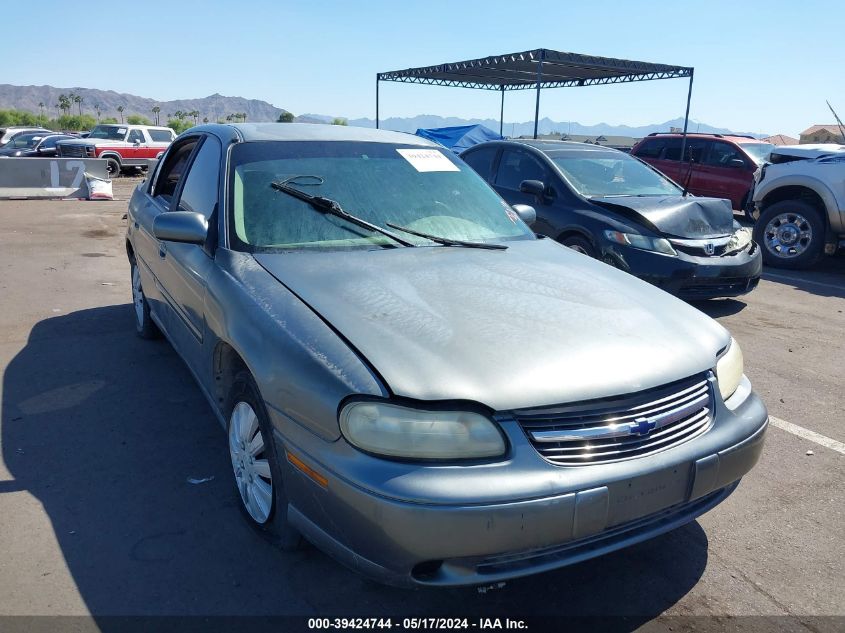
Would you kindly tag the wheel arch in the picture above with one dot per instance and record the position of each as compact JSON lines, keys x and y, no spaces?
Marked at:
{"x":808,"y":190}
{"x":227,"y":363}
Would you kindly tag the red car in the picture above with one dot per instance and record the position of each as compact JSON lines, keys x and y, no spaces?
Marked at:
{"x":720,"y":166}
{"x":121,"y":145}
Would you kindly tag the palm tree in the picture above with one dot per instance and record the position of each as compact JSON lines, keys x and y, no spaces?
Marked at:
{"x":77,"y":99}
{"x":97,"y":110}
{"x":41,"y":108}
{"x":195,"y":114}
{"x":120,"y":110}
{"x":243,"y":115}
{"x":65,"y":103}
{"x":156,"y":110}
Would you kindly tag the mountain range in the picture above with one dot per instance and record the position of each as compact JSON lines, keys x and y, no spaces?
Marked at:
{"x":212,"y":107}
{"x":217,"y":106}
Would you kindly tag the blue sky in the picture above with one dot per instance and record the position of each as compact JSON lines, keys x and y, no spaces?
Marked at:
{"x":759,"y":66}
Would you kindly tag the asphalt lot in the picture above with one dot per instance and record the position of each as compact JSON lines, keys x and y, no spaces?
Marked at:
{"x":101,"y":431}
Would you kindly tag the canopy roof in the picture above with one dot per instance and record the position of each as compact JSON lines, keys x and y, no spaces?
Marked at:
{"x":541,"y":67}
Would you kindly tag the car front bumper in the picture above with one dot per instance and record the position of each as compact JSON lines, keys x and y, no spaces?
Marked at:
{"x":465,"y":526}
{"x":690,"y":277}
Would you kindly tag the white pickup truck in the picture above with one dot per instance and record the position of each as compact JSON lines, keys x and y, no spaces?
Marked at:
{"x":799,"y":204}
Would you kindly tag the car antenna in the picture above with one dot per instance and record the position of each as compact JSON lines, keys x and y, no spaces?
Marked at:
{"x":838,"y":120}
{"x":689,"y":173}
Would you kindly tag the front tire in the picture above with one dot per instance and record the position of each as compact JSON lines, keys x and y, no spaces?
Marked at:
{"x":791,"y":234}
{"x":113,"y":167}
{"x":255,"y":465}
{"x":145,"y":327}
{"x":579,"y":244}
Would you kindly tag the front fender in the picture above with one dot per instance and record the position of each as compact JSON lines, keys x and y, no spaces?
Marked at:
{"x":769,"y":186}
{"x":303,"y":368}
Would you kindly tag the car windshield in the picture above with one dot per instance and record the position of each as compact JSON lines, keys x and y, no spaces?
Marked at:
{"x":24,"y":141}
{"x":611,"y":173}
{"x":424,"y":189}
{"x":758,"y":151}
{"x":109,"y":132}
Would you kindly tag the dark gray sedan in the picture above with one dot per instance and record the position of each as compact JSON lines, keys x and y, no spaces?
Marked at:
{"x":409,"y":377}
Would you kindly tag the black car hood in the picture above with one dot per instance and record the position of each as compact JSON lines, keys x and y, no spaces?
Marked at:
{"x":676,"y":216}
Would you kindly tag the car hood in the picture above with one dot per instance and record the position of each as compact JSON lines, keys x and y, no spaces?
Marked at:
{"x":537,"y":324}
{"x":676,"y":216}
{"x":808,"y":151}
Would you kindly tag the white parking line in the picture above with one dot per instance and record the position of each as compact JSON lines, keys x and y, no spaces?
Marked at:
{"x":807,"y":434}
{"x":776,"y":277}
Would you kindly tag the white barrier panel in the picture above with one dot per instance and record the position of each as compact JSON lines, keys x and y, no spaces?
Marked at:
{"x":48,"y":178}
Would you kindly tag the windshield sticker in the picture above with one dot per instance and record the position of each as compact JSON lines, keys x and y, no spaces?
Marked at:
{"x":427,"y":160}
{"x":121,"y":130}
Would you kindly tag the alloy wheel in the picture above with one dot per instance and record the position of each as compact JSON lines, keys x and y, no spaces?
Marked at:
{"x":788,"y":235}
{"x":137,"y":296}
{"x":249,"y":462}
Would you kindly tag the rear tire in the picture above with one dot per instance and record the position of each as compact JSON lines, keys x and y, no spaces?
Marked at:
{"x":791,"y":234}
{"x":579,"y":244}
{"x":145,"y":327}
{"x":256,"y":466}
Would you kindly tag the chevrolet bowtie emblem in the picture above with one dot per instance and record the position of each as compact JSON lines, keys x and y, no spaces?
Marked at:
{"x":643,"y":426}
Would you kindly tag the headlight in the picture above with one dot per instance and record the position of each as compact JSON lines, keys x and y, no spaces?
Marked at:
{"x":657,"y":244}
{"x":388,"y":429}
{"x":739,"y":240}
{"x":89,"y":150}
{"x":729,"y":370}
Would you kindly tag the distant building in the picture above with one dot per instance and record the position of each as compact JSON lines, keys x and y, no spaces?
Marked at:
{"x":822,"y":134}
{"x":780,"y":139}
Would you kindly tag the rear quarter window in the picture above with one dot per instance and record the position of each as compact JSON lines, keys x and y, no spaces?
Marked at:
{"x":161,"y":136}
{"x":651,"y":149}
{"x":481,"y":161}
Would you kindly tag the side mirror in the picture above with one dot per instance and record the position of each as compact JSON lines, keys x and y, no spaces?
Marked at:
{"x":736,"y":163}
{"x":181,"y":226}
{"x":525,"y":212}
{"x":533,"y":187}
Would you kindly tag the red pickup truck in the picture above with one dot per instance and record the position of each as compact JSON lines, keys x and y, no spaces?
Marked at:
{"x":121,"y":145}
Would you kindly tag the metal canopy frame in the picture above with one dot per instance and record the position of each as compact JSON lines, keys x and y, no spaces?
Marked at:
{"x":537,"y":69}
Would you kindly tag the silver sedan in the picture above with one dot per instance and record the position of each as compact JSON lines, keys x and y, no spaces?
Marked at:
{"x":410,"y":378}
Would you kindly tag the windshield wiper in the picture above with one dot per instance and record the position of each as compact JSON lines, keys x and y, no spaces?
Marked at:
{"x":445,"y":241}
{"x":332,"y":207}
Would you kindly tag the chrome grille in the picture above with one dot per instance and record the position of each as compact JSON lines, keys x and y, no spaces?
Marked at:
{"x":621,"y":428}
{"x":71,"y":151}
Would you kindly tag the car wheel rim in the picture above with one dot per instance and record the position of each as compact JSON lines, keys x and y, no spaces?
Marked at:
{"x":250,"y":463}
{"x":788,"y":235}
{"x":137,"y":296}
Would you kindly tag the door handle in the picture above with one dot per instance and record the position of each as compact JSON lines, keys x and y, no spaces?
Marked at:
{"x":162,"y":250}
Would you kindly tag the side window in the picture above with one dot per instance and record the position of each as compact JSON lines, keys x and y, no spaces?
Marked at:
{"x":161,"y":136}
{"x":695,"y":149}
{"x":171,"y":172}
{"x":721,"y":154}
{"x":516,"y":166}
{"x":201,"y":184}
{"x":136,"y":135}
{"x":482,"y":161}
{"x":50,"y":143}
{"x":651,"y":148}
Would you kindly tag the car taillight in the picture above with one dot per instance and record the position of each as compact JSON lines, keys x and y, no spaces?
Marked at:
{"x":89,"y":150}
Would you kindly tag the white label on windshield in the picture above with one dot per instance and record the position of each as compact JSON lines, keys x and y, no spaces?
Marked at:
{"x":121,"y":130}
{"x":428,"y":160}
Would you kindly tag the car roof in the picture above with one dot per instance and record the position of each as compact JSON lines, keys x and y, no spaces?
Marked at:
{"x":551,"y":146}
{"x":314,"y":132}
{"x":738,"y":139}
